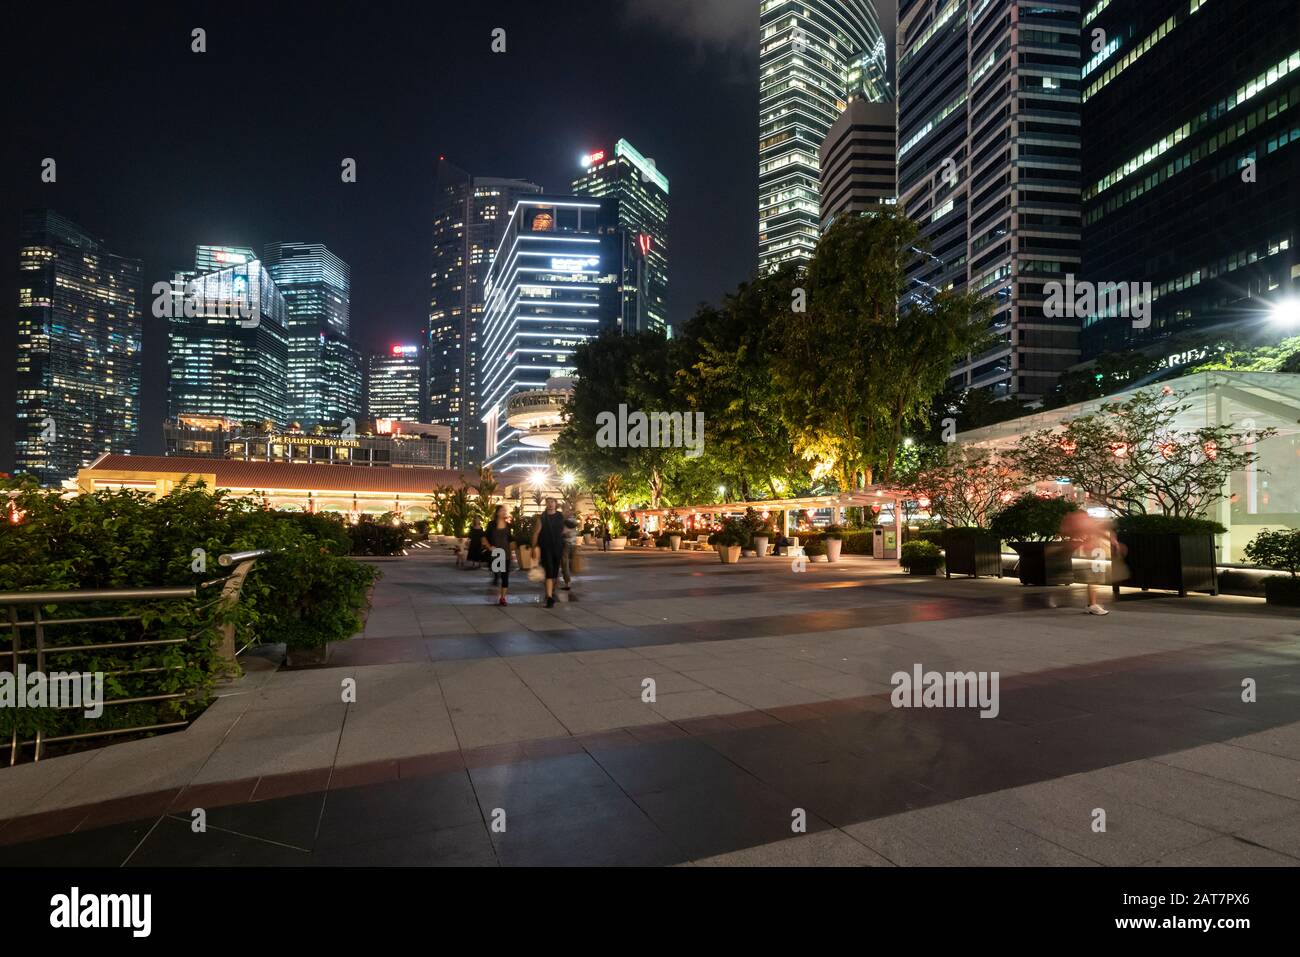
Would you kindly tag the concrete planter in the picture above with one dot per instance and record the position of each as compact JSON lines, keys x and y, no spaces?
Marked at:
{"x":833,"y":546}
{"x":730,"y":554}
{"x":675,"y":542}
{"x":525,"y":557}
{"x":617,"y":544}
{"x":760,"y":545}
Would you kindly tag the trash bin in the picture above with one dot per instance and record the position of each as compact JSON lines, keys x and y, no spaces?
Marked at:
{"x":884,"y":544}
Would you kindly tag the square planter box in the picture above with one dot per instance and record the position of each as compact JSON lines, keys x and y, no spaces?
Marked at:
{"x":1169,"y":562}
{"x":1045,"y":563}
{"x":972,"y":555}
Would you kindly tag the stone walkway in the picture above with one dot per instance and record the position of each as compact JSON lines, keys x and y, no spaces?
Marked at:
{"x":770,"y":711}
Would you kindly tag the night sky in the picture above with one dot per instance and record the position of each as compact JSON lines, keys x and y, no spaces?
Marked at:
{"x":159,"y":148}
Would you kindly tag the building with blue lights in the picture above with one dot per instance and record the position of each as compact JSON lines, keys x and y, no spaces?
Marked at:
{"x":553,"y":285}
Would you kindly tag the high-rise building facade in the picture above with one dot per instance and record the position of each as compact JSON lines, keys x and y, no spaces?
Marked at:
{"x":1191,"y":168}
{"x":395,"y":384}
{"x":324,"y":385}
{"x":989,"y":167}
{"x":78,"y":348}
{"x":553,"y":285}
{"x":209,"y":258}
{"x":641,"y":193}
{"x":859,"y":160}
{"x":469,"y":217}
{"x":813,"y":55}
{"x":227,"y":350}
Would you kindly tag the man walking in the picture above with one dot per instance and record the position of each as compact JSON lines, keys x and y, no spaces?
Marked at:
{"x":548,"y":536}
{"x":568,"y":563}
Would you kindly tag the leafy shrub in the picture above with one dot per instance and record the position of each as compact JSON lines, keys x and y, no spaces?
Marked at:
{"x":1031,"y":518}
{"x":306,"y":593}
{"x":524,"y":526}
{"x":1282,"y":590}
{"x":1278,"y":549}
{"x":733,"y":532}
{"x":1238,"y":583}
{"x":921,"y":558}
{"x":376,"y":536}
{"x":834,"y":531}
{"x":1167,"y":525}
{"x":815,"y":546}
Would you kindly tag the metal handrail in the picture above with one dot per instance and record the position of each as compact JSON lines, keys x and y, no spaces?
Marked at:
{"x":234,"y":558}
{"x":241,"y":564}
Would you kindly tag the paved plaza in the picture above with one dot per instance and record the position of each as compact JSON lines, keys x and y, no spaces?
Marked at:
{"x":482,"y":735}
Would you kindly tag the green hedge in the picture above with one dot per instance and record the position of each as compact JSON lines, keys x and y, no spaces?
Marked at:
{"x":306,"y":594}
{"x":921,"y":558}
{"x":1167,"y":525}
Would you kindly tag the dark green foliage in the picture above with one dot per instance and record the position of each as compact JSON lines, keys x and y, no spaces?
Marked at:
{"x":1031,"y":518}
{"x":308,"y":592}
{"x":1278,"y":548}
{"x":921,"y":558}
{"x":1167,"y":525}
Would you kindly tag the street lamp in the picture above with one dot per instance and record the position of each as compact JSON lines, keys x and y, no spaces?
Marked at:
{"x":722,"y":491}
{"x":567,"y":479}
{"x":1286,"y":312}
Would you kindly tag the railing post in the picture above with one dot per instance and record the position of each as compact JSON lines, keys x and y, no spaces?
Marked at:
{"x":13,"y":667}
{"x":229,"y":597}
{"x":40,"y":665}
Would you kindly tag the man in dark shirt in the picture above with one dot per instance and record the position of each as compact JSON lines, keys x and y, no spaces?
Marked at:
{"x":548,"y":536}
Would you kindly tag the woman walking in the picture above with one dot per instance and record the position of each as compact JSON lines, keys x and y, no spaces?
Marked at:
{"x":499,"y":535}
{"x":548,"y":535}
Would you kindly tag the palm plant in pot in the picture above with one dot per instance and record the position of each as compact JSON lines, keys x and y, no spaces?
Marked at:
{"x":1031,"y":525}
{"x":524,"y":539}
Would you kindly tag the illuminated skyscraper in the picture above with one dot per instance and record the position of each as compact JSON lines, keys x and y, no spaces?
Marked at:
{"x":469,"y":217}
{"x":78,"y":348}
{"x":989,"y":156}
{"x":641,"y":192}
{"x":553,"y":285}
{"x":227,"y":352}
{"x":813,"y":54}
{"x":395,"y":384}
{"x":325,"y":373}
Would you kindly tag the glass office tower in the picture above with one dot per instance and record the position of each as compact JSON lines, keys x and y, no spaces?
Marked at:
{"x":78,"y":348}
{"x":468,"y":219}
{"x":228,"y":352}
{"x":1191,"y":170}
{"x":324,"y":385}
{"x":989,"y":167}
{"x":395,"y":384}
{"x":641,"y":192}
{"x":553,"y":285}
{"x":813,"y":54}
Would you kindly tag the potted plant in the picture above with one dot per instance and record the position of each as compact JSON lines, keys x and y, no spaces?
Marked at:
{"x":1031,"y":525}
{"x":815,"y":549}
{"x":674,"y":529}
{"x":1135,"y":453}
{"x":834,"y":540}
{"x":729,"y":540}
{"x":921,"y":557}
{"x":1168,"y":552}
{"x":1278,"y":549}
{"x":964,"y":489}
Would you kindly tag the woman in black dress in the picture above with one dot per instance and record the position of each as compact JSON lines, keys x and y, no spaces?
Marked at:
{"x":498,"y":537}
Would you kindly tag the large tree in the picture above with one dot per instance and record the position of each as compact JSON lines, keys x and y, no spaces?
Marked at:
{"x":862,"y":362}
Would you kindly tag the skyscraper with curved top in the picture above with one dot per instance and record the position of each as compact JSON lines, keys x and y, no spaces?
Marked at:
{"x":813,"y":54}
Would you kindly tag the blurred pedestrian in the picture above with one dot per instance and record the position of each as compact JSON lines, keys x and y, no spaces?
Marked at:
{"x":548,"y":539}
{"x":499,"y":536}
{"x":1096,"y":539}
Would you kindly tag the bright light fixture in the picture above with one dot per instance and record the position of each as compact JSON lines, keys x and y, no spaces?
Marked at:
{"x":1286,"y":312}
